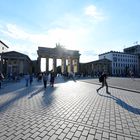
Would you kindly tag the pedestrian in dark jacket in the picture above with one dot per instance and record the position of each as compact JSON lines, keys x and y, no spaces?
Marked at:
{"x":1,"y":78}
{"x":45,"y":79}
{"x":31,"y":79}
{"x":104,"y":82}
{"x":52,"y":77}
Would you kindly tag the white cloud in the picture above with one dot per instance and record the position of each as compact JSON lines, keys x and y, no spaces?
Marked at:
{"x":73,"y":32}
{"x":93,"y":12}
{"x":14,"y":32}
{"x":71,"y":38}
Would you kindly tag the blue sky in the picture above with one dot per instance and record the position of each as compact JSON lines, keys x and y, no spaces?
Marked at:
{"x":90,"y":26}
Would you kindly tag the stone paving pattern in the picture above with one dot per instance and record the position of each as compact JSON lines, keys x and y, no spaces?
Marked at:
{"x":125,"y":83}
{"x":69,"y":111}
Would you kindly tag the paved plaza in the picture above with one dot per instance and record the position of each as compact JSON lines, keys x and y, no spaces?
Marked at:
{"x":72,"y":110}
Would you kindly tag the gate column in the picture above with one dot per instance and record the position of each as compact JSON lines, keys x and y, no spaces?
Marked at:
{"x":47,"y":64}
{"x":70,"y":65}
{"x":54,"y":64}
{"x":63,"y":67}
{"x":39,"y":62}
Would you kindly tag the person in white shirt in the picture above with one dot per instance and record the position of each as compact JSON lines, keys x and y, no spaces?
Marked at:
{"x":45,"y":79}
{"x":27,"y":77}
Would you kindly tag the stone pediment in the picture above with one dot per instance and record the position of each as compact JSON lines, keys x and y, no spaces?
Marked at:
{"x":14,"y":54}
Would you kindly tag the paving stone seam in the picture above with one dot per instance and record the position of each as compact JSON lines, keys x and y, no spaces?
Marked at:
{"x":90,"y":126}
{"x":94,"y":127}
{"x":121,"y":88}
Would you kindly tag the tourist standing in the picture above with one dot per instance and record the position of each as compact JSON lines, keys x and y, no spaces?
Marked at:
{"x":27,"y":77}
{"x":31,"y":79}
{"x":52,"y":77}
{"x":45,"y":79}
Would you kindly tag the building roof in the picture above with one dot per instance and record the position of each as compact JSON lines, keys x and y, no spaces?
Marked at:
{"x":97,"y":61}
{"x":14,"y":53}
{"x":115,"y":52}
{"x":135,"y":46}
{"x":4,"y":44}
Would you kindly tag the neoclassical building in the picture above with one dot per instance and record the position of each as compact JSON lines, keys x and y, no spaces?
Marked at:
{"x":122,"y":62}
{"x":15,"y":63}
{"x":71,"y":56}
{"x":95,"y":68}
{"x":3,"y":48}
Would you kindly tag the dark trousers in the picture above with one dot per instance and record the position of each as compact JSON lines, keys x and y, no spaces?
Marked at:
{"x":104,"y":84}
{"x":45,"y":83}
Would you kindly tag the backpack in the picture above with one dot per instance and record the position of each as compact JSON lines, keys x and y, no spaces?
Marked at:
{"x":101,"y":78}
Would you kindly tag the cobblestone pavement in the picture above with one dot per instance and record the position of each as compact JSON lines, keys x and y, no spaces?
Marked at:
{"x":122,"y":83}
{"x":69,"y":111}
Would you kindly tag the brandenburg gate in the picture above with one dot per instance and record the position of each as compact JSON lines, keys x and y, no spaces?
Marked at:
{"x":72,"y":57}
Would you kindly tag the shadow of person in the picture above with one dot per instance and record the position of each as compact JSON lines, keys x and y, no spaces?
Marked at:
{"x":35,"y":92}
{"x":48,"y":96}
{"x":127,"y":106}
{"x":123,"y":104}
{"x":18,"y":94}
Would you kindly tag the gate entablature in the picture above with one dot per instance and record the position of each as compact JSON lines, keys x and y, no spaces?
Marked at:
{"x":60,"y":53}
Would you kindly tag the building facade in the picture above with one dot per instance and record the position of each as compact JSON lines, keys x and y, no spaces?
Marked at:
{"x":3,"y":48}
{"x":122,"y":62}
{"x":15,"y":63}
{"x":133,"y":50}
{"x":95,"y":68}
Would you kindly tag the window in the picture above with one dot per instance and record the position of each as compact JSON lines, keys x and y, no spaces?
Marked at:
{"x":114,"y":59}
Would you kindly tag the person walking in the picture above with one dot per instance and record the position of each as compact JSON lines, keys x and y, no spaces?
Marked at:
{"x":131,"y":75}
{"x":104,"y":82}
{"x":27,"y":77}
{"x":31,"y":79}
{"x":45,"y":79}
{"x":1,"y":78}
{"x":52,"y":77}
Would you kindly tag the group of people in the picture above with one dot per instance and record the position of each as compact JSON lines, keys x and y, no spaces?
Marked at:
{"x":45,"y":77}
{"x":28,"y":79}
{"x":51,"y":77}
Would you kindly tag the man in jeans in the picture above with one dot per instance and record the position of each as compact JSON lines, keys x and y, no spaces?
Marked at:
{"x":104,"y":82}
{"x":45,"y":78}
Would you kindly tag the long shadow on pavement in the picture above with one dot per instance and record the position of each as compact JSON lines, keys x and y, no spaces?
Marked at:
{"x":35,"y":92}
{"x":20,"y":93}
{"x":48,"y":96}
{"x":10,"y":87}
{"x":123,"y":104}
